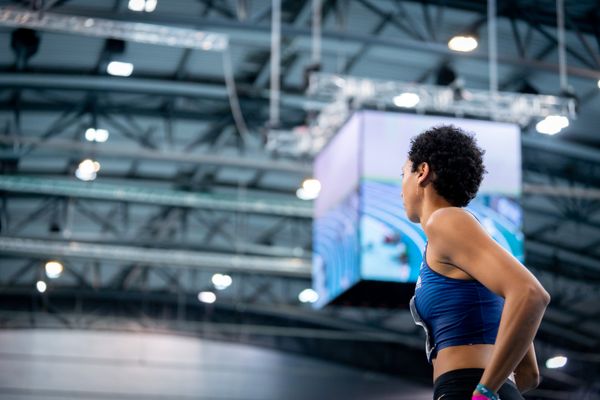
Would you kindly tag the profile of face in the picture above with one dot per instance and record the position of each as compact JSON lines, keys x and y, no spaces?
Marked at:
{"x":413,"y":189}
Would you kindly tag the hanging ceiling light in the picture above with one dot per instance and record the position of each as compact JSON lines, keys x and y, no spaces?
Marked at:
{"x":552,"y":124}
{"x":87,"y":170}
{"x":96,"y":135}
{"x":41,"y":286}
{"x":310,"y":189}
{"x":308,"y":296}
{"x":53,"y":269}
{"x":463,"y":43}
{"x":142,"y":5}
{"x":207,"y":297}
{"x":407,"y":100}
{"x":119,"y":68}
{"x":221,"y":281}
{"x":113,"y":54}
{"x":556,"y":362}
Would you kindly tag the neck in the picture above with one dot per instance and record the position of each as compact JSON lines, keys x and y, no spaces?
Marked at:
{"x":431,"y":204}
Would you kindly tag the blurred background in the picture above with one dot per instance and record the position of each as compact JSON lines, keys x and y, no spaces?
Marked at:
{"x":156,"y":210}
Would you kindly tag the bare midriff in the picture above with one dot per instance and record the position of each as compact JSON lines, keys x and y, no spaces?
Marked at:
{"x":459,"y":357}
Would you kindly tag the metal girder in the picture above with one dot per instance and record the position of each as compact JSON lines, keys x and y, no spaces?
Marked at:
{"x":152,"y":196}
{"x":161,"y":87}
{"x":160,"y":283}
{"x":561,"y":147}
{"x":117,"y":109}
{"x":260,"y":79}
{"x":392,"y":17}
{"x":562,"y":191}
{"x":106,"y":28}
{"x":176,"y":228}
{"x":547,"y":247}
{"x":289,"y":266}
{"x":291,"y":30}
{"x":68,"y":147}
{"x":348,"y":94}
{"x":383,"y":22}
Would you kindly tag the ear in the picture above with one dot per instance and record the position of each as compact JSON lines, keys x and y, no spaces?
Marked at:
{"x":423,"y":173}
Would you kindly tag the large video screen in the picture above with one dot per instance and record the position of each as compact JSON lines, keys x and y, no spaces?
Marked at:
{"x":391,"y":245}
{"x":336,"y":258}
{"x":360,"y":229}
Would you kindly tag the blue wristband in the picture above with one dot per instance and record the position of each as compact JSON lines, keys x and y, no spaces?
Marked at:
{"x":487,"y":392}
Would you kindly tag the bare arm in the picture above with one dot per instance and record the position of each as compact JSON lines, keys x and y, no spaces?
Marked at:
{"x":461,"y":241}
{"x":527,"y":373}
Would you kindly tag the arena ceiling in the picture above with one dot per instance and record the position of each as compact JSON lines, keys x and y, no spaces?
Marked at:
{"x":182,"y":193}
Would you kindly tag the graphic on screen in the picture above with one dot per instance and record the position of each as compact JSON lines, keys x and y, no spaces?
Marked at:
{"x":361,"y":231}
{"x":336,"y":214}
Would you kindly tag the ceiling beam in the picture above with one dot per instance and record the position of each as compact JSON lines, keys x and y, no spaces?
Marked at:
{"x":176,"y":198}
{"x":68,"y":147}
{"x":162,"y":87}
{"x":294,"y":267}
{"x":561,"y":147}
{"x":239,"y":27}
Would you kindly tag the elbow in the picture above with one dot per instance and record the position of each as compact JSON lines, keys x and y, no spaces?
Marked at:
{"x":537,"y":295}
{"x":544,"y":297}
{"x":534,"y":381}
{"x":527,"y":381}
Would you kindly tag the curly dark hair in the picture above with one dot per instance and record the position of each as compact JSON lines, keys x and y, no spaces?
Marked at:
{"x":455,"y":160}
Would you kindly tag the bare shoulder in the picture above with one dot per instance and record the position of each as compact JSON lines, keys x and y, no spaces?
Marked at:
{"x":455,"y":235}
{"x":447,"y":220}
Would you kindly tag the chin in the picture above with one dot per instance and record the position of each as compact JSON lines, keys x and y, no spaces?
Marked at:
{"x":414,"y":218}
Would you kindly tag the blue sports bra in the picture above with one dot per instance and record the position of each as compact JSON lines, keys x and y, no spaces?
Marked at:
{"x":454,"y":311}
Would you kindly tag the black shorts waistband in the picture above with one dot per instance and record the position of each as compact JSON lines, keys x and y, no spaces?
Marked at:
{"x":463,"y":373}
{"x":459,"y":373}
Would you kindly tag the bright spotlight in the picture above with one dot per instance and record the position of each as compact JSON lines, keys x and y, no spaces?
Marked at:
{"x":118,"y":68}
{"x":142,"y":5}
{"x":312,"y":184}
{"x":221,"y":281}
{"x":552,"y":124}
{"x":463,"y":43}
{"x":207,"y":297}
{"x":85,"y":176}
{"x":556,"y":362}
{"x":87,"y":170}
{"x":96,"y":135}
{"x":90,"y":134}
{"x":41,"y":286}
{"x":304,"y":195}
{"x":407,"y":100}
{"x":598,"y":83}
{"x":310,"y":189}
{"x":150,"y":5}
{"x":136,"y":5}
{"x":53,"y":269}
{"x":308,"y":296}
{"x":89,"y":166}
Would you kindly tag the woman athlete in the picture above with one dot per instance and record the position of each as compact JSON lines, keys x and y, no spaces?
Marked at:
{"x":480,"y":307}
